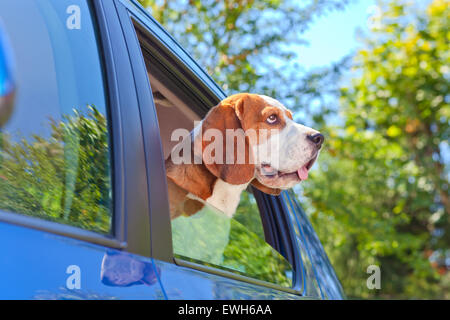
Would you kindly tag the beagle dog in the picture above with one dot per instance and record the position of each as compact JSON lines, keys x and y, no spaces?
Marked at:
{"x":267,"y":149}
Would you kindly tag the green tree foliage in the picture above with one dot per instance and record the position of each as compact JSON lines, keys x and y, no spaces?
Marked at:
{"x":63,"y":178}
{"x":243,"y":44}
{"x":381,"y":195}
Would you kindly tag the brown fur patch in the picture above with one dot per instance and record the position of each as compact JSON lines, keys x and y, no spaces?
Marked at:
{"x":224,"y":117}
{"x":179,"y":203}
{"x":192,"y":206}
{"x":253,"y":111}
{"x":258,"y":185}
{"x":194,"y":178}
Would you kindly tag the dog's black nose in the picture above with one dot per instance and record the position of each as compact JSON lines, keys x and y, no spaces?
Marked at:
{"x":317,"y":139}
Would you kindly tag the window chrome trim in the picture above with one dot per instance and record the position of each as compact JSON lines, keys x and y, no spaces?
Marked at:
{"x":61,"y":229}
{"x":234,"y":276}
{"x":114,"y":122}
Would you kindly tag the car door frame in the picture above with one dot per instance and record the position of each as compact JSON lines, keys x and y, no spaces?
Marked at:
{"x":209,"y":94}
{"x":130,"y":227}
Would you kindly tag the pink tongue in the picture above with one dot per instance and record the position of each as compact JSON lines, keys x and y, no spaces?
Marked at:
{"x":303,"y":173}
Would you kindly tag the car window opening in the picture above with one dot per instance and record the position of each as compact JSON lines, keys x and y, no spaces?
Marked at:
{"x":209,"y":237}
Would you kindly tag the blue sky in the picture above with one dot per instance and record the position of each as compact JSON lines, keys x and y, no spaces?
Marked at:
{"x":334,"y":35}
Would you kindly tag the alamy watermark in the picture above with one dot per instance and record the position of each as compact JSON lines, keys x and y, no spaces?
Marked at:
{"x":73,"y":22}
{"x":73,"y":281}
{"x":374,"y":280}
{"x":229,"y":146}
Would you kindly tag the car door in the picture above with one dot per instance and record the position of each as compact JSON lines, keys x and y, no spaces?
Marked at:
{"x":74,"y":210}
{"x":322,"y":280}
{"x":253,"y":256}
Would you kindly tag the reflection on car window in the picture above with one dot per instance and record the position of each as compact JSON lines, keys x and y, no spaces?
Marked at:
{"x":248,"y":215}
{"x":54,"y":148}
{"x":211,"y":238}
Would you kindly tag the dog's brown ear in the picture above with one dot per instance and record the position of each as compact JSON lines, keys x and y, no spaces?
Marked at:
{"x":258,"y":185}
{"x":233,"y":164}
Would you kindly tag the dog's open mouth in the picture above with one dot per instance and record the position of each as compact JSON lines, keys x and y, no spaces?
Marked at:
{"x":301,"y":174}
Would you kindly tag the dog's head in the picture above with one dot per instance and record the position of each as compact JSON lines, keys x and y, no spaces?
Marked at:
{"x":260,"y":143}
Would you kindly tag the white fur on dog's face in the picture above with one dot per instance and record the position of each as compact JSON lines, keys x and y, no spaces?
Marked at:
{"x":286,"y":150}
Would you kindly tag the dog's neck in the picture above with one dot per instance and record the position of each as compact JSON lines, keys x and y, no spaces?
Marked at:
{"x":200,"y":184}
{"x":225,"y":197}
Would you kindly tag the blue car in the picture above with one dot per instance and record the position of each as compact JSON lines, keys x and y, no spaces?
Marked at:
{"x":90,"y":94}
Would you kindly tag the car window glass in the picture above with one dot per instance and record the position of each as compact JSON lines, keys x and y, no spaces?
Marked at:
{"x":237,"y":244}
{"x":54,"y":148}
{"x":291,"y":206}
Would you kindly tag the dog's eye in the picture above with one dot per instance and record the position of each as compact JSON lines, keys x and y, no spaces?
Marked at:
{"x":272,"y":119}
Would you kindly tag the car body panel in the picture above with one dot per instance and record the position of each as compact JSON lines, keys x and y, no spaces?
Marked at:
{"x":138,"y":263}
{"x":36,"y":265}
